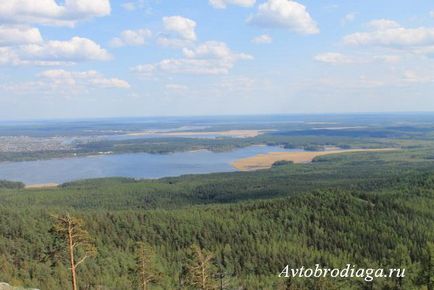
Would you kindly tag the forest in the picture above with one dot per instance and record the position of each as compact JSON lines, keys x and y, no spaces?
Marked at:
{"x":228,"y":230}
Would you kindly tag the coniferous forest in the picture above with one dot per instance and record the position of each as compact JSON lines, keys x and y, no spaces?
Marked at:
{"x":227,"y":230}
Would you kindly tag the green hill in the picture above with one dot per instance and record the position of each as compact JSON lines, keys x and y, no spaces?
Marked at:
{"x":372,"y":210}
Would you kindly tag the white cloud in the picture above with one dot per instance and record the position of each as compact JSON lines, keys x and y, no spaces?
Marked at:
{"x":176,"y":87}
{"x":284,"y":14}
{"x":222,"y":4}
{"x":431,"y":13}
{"x":179,"y":32}
{"x":334,"y":58}
{"x":60,"y":77}
{"x":209,"y":58}
{"x":388,"y":58}
{"x":237,"y":83}
{"x":133,"y":5}
{"x":182,"y":26}
{"x":143,"y":5}
{"x":388,"y":33}
{"x":17,"y":35}
{"x":129,"y":6}
{"x":74,"y":50}
{"x":145,"y":69}
{"x":14,"y":56}
{"x":214,"y":50}
{"x":185,"y":66}
{"x":64,"y":83}
{"x":349,"y":17}
{"x":110,"y":83}
{"x":49,"y":12}
{"x":261,"y":39}
{"x":8,"y":56}
{"x":337,"y":58}
{"x":411,"y":76}
{"x":132,"y":37}
{"x":383,"y":24}
{"x":170,"y":41}
{"x":53,"y":52}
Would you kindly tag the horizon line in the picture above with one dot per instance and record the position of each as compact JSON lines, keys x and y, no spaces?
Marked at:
{"x":216,"y":116}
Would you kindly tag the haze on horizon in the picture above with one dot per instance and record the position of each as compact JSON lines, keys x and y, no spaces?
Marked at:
{"x":101,"y":58}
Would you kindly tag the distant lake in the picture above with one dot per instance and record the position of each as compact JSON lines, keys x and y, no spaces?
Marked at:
{"x":137,"y":165}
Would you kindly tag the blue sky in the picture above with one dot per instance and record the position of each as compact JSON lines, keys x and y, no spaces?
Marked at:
{"x":101,"y":58}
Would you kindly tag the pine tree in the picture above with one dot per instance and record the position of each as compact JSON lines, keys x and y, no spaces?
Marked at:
{"x":77,"y":241}
{"x":426,"y":275}
{"x":201,"y":271}
{"x":146,"y":270}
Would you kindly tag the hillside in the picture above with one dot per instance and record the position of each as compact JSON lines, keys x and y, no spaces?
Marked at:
{"x":376,"y":211}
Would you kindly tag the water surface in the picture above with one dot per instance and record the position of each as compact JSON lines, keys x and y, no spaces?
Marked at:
{"x":137,"y":165}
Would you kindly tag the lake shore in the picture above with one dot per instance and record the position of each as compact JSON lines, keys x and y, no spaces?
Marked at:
{"x":41,"y":173}
{"x":42,"y":185}
{"x":265,"y":161}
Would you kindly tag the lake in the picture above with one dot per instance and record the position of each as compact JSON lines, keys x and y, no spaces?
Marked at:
{"x":137,"y":165}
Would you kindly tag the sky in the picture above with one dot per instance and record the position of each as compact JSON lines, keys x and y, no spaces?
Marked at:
{"x":101,"y":58}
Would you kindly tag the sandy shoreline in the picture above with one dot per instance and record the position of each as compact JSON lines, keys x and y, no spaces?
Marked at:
{"x":42,"y":185}
{"x":264,"y":161}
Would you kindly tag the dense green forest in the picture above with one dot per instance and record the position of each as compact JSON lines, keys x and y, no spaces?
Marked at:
{"x":370,"y":209}
{"x":11,"y":184}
